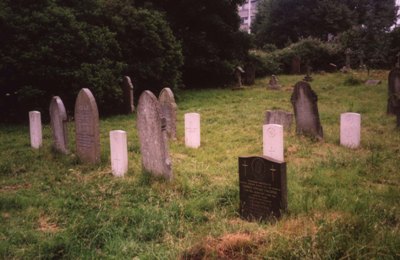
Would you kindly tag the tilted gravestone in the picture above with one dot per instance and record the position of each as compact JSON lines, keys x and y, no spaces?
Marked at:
{"x":350,"y":130}
{"x":262,"y":188}
{"x":296,"y":65}
{"x":127,"y":89}
{"x":87,"y":128}
{"x":393,"y":91}
{"x":279,"y":117}
{"x":58,"y":122}
{"x":273,"y":142}
{"x":304,"y":101}
{"x":168,"y":110}
{"x":35,"y":129}
{"x":153,"y":136}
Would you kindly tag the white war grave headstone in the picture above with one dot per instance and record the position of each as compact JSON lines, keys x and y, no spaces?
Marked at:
{"x":273,"y":142}
{"x":153,"y":137}
{"x":192,"y":130}
{"x":119,"y":152}
{"x":87,"y":129}
{"x":58,"y":122}
{"x":35,"y":129}
{"x":350,"y":130}
{"x":168,"y":110}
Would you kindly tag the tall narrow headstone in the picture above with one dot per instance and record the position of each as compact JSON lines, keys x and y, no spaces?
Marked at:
{"x":127,"y":88}
{"x":58,"y":122}
{"x":87,"y":129}
{"x":35,"y":129}
{"x":393,"y":91}
{"x":153,"y":136}
{"x":273,"y":142}
{"x":304,"y":101}
{"x":279,"y":117}
{"x":350,"y":129}
{"x":168,"y":110}
{"x":262,"y":188}
{"x":119,"y":152}
{"x":192,"y":130}
{"x":296,"y":63}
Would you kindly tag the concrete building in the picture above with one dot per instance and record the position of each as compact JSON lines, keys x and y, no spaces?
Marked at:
{"x":247,"y":13}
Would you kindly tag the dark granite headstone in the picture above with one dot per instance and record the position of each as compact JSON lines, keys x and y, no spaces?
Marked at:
{"x":393,"y":91}
{"x":250,"y":74}
{"x":58,"y":122}
{"x":127,"y":88}
{"x":153,"y":136}
{"x":279,"y":117}
{"x":263,"y":188}
{"x":304,"y":101}
{"x":296,"y":65}
{"x":87,"y":130}
{"x":168,"y":110}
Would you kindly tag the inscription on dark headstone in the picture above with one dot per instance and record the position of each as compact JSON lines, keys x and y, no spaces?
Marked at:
{"x":304,"y":101}
{"x":393,"y":91}
{"x":127,"y":88}
{"x":87,"y":130}
{"x":263,"y":188}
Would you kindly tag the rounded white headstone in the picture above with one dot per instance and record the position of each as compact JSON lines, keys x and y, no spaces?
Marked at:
{"x":192,"y":130}
{"x":273,"y":142}
{"x":35,"y":129}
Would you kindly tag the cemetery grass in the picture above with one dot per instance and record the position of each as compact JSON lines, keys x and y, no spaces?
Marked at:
{"x":342,"y":203}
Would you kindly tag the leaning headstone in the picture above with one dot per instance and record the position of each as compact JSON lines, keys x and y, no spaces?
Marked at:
{"x":296,"y":63}
{"x":87,"y":129}
{"x":262,"y":188}
{"x":153,"y":137}
{"x":192,"y":130}
{"x":393,"y":91}
{"x":58,"y":122}
{"x":279,"y":117}
{"x":273,"y":83}
{"x":250,"y":74}
{"x":273,"y":142}
{"x":168,"y":110}
{"x":304,"y":101}
{"x":350,"y":130}
{"x":119,"y":153}
{"x":35,"y":129}
{"x":127,"y":89}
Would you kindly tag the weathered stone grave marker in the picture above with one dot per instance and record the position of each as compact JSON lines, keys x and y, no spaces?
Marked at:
{"x":273,"y":83}
{"x":393,"y":91}
{"x":350,"y":129}
{"x":192,"y":130}
{"x":262,"y":188}
{"x":35,"y":129}
{"x":273,"y":142}
{"x":168,"y":110}
{"x":119,"y":152}
{"x":58,"y":122}
{"x":279,"y":117}
{"x":304,"y":101}
{"x":87,"y":130}
{"x":153,"y":137}
{"x":127,"y":89}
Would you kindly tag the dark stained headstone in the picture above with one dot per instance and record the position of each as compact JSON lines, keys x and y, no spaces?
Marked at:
{"x":263,"y":188}
{"x":127,"y":89}
{"x":250,"y":74}
{"x":168,"y":110}
{"x":153,"y":136}
{"x":279,"y":117}
{"x":58,"y":123}
{"x":304,"y":101}
{"x":393,"y":91}
{"x":296,"y":65}
{"x":87,"y":130}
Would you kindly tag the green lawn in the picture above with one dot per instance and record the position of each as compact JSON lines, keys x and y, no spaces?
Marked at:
{"x":342,"y":203}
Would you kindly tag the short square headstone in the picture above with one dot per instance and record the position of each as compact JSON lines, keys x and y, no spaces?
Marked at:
{"x":58,"y":122}
{"x":119,"y":152}
{"x":127,"y":89}
{"x":87,"y":129}
{"x":168,"y":110}
{"x":273,"y":142}
{"x":262,"y":188}
{"x":153,"y":137}
{"x":35,"y":129}
{"x":192,"y":130}
{"x":279,"y":117}
{"x":273,"y":83}
{"x":350,"y":129}
{"x":304,"y":101}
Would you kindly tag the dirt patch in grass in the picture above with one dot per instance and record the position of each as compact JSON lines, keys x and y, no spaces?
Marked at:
{"x":15,"y":187}
{"x":46,"y":225}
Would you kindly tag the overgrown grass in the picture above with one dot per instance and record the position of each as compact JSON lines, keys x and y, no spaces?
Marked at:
{"x":342,"y":202}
